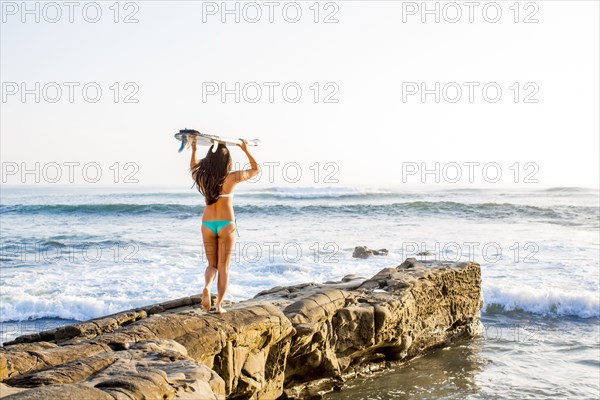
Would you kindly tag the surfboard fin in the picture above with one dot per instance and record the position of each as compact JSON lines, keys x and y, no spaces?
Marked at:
{"x":183,"y":143}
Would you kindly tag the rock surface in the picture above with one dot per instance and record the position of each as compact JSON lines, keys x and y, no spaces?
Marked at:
{"x":287,"y":342}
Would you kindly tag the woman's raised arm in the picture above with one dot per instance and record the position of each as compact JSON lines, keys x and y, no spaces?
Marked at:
{"x":244,"y":175}
{"x":194,"y":160}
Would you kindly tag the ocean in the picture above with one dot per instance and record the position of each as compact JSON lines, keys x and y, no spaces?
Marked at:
{"x":71,"y":254}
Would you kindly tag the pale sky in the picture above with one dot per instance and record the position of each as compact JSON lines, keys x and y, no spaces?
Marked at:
{"x":368,"y":61}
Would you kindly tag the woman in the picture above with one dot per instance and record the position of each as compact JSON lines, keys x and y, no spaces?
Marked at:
{"x":214,"y":179}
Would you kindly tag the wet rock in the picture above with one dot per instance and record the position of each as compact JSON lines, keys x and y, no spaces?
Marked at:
{"x":351,"y":277}
{"x":365,"y":252}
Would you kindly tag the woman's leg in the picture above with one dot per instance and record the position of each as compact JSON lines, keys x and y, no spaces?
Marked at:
{"x":225,"y":248}
{"x":211,"y":250}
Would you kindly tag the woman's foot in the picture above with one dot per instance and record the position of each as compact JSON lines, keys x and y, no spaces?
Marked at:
{"x":206,"y":299}
{"x":220,"y":309}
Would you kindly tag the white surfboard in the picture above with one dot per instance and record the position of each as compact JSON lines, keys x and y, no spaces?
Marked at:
{"x":187,"y":136}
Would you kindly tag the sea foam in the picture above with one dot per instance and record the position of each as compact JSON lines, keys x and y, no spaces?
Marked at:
{"x":543,"y":301}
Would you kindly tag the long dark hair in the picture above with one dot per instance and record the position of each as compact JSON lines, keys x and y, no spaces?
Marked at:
{"x":210,"y":173}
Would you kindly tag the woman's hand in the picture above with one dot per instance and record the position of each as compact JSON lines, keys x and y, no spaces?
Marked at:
{"x":193,"y":140}
{"x":243,"y":145}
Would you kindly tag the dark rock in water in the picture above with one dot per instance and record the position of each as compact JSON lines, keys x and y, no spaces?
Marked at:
{"x":365,"y":252}
{"x":296,"y":341}
{"x":362,"y":252}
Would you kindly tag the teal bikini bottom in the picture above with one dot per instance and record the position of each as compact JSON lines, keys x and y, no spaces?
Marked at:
{"x":217,"y":224}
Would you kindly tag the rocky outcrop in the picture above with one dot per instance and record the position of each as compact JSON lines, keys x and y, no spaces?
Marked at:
{"x":365,"y":252}
{"x":287,"y":342}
